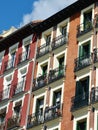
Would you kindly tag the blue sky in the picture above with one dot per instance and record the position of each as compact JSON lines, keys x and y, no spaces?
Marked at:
{"x":20,"y":12}
{"x":12,"y":11}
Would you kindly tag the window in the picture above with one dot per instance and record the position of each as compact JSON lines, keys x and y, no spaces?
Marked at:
{"x":81,"y":125}
{"x":27,"y":50}
{"x":57,"y":98}
{"x":61,"y":65}
{"x":39,"y":108}
{"x":61,"y":61}
{"x":48,"y":39}
{"x":44,"y":69}
{"x":64,"y":30}
{"x":12,"y":59}
{"x":7,"y":84}
{"x":87,"y":19}
{"x":2,"y":115}
{"x":82,"y":88}
{"x":84,"y":49}
{"x":17,"y":108}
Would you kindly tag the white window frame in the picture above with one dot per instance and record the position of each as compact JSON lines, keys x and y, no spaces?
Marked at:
{"x":54,"y":90}
{"x":76,"y":119}
{"x":62,"y":24}
{"x":85,"y":41}
{"x":56,"y":56}
{"x":36,"y":97}
{"x":39,"y":71}
{"x":91,"y":7}
{"x":46,"y":33}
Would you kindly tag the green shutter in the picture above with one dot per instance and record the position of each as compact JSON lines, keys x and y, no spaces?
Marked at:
{"x":61,"y":64}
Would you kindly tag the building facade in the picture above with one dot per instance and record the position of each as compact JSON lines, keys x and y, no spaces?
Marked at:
{"x":48,"y":72}
{"x":64,"y":89}
{"x":17,"y":51}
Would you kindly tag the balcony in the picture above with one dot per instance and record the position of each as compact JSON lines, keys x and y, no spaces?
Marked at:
{"x":84,"y":28}
{"x":23,"y":57}
{"x":50,"y":113}
{"x":56,"y":74}
{"x":82,"y":62}
{"x":19,"y":88}
{"x":53,"y":112}
{"x":8,"y":65}
{"x":94,"y":95}
{"x":59,"y":41}
{"x":4,"y":94}
{"x":13,"y":123}
{"x":40,"y":82}
{"x":79,"y":101}
{"x":42,"y":50}
{"x":53,"y":76}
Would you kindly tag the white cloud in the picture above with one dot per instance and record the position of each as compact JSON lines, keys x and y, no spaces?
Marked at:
{"x":42,"y":9}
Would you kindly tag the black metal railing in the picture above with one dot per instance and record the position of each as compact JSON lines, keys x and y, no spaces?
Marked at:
{"x":59,"y":41}
{"x":9,"y":64}
{"x":23,"y":57}
{"x":56,"y":74}
{"x":13,"y":122}
{"x":45,"y":79}
{"x":50,"y":113}
{"x":4,"y":94}
{"x":53,"y":112}
{"x":84,"y":28}
{"x":94,"y":95}
{"x":79,"y":101}
{"x":39,"y":82}
{"x":42,"y":50}
{"x":82,"y":62}
{"x":19,"y":87}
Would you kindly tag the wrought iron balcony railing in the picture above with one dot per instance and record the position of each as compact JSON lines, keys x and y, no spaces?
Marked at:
{"x":53,"y":112}
{"x":9,"y":64}
{"x":19,"y":87}
{"x":42,"y":50}
{"x":52,"y":76}
{"x":80,"y":101}
{"x":50,"y":113}
{"x":94,"y":95}
{"x":59,"y":41}
{"x":13,"y":122}
{"x":82,"y":62}
{"x":39,"y":82}
{"x":4,"y":94}
{"x":56,"y":74}
{"x":23,"y":57}
{"x":84,"y":28}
